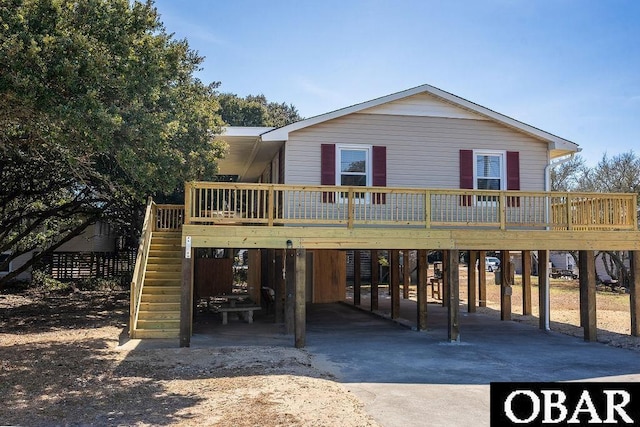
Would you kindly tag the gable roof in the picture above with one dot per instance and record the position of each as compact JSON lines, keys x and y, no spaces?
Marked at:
{"x":557,"y":146}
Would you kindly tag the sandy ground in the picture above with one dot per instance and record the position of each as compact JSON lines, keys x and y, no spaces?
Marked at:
{"x":60,"y":366}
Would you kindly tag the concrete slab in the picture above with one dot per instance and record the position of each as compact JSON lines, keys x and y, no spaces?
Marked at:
{"x":410,"y":378}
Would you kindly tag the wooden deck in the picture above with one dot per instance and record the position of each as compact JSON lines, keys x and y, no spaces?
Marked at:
{"x":326,"y":217}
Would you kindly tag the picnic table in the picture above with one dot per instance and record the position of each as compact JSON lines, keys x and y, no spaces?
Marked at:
{"x":234,"y":303}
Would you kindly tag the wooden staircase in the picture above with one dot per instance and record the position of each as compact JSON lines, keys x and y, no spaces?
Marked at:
{"x":159,"y":310}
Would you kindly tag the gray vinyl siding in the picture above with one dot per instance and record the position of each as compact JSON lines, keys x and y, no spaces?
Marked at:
{"x":422,"y":152}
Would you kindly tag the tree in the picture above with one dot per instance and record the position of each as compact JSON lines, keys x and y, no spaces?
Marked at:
{"x":255,"y":111}
{"x":567,"y":176}
{"x":98,"y":108}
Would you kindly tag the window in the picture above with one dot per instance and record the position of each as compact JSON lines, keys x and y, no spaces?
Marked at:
{"x":489,"y":173}
{"x":353,"y":167}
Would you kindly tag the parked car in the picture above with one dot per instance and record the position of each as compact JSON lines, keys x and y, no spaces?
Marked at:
{"x":491,"y":263}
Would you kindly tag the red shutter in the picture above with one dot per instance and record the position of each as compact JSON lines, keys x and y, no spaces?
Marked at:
{"x":379,"y":172}
{"x":513,"y":176}
{"x":466,"y":174}
{"x":328,"y":170}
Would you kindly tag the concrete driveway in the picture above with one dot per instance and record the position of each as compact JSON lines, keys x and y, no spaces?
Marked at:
{"x":409,"y":378}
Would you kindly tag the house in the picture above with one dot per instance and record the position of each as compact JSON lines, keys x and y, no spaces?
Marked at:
{"x":415,"y":170}
{"x":93,"y":250}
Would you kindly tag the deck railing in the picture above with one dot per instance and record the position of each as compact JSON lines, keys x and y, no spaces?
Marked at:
{"x":273,"y":204}
{"x":141,"y":265}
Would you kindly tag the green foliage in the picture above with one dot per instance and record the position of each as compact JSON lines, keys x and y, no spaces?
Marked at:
{"x":98,"y":109}
{"x":255,"y":111}
{"x":43,"y":282}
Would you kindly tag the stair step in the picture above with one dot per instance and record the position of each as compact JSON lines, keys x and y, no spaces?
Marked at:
{"x":158,"y":290}
{"x":144,"y":315}
{"x":160,"y":298}
{"x":163,"y":275}
{"x":158,"y":324}
{"x":156,"y":333}
{"x":164,"y":267}
{"x":159,"y":306}
{"x":155,"y":259}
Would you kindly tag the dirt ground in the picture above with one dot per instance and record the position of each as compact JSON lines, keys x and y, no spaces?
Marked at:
{"x":60,"y":365}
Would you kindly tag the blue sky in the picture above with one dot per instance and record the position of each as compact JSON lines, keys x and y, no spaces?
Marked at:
{"x":569,"y":67}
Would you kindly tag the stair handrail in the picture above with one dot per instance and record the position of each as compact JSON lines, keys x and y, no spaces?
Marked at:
{"x":140,"y":269}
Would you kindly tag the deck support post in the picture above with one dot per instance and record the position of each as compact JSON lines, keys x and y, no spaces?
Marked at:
{"x":445,"y":279}
{"x":279,"y":282}
{"x":422,"y":289}
{"x":506,"y":288}
{"x":634,"y":294}
{"x":526,"y":283}
{"x":186,"y":298}
{"x":300,"y":313}
{"x":471,"y":281}
{"x":406,"y":274}
{"x":395,"y":283}
{"x":482,"y":279}
{"x":357,"y":280}
{"x":375,"y":272}
{"x":588,"y":294}
{"x":451,"y":275}
{"x":290,"y":286}
{"x":543,"y":289}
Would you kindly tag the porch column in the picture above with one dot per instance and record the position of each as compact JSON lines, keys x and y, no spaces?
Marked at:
{"x":445,"y":278}
{"x":471,"y":281}
{"x":526,"y":283}
{"x":543,"y":289}
{"x":634,"y":294}
{"x":290,"y":287}
{"x":356,"y":277}
{"x":588,"y":294}
{"x":422,"y":267}
{"x":375,"y":270}
{"x":394,"y":270}
{"x":300,"y":314}
{"x":505,"y":286}
{"x":186,"y":297}
{"x":482,"y":279}
{"x":452,"y":279}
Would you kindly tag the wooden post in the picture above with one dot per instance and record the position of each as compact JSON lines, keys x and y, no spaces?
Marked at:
{"x":186,"y":298}
{"x":300,"y":316}
{"x":375,"y":271}
{"x":280,"y":287}
{"x":445,"y":278}
{"x":406,"y":274}
{"x":290,"y":289}
{"x":394,"y":270}
{"x":471,"y":282}
{"x":505,"y":286}
{"x":588,"y":294}
{"x":452,"y":279}
{"x":254,"y":276}
{"x":482,"y":279}
{"x":543,"y":289}
{"x":422,"y":289}
{"x":526,"y":283}
{"x":356,"y":277}
{"x":634,"y":294}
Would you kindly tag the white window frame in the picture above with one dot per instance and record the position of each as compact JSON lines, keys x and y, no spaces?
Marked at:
{"x":503,"y":172}
{"x":368,"y":169}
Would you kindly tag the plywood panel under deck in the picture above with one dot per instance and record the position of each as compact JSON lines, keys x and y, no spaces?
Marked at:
{"x":329,"y":276}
